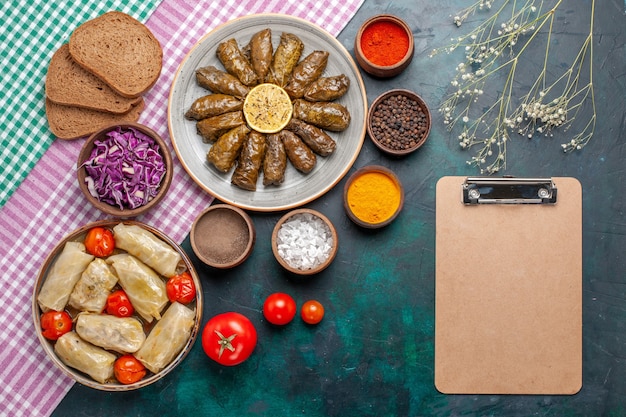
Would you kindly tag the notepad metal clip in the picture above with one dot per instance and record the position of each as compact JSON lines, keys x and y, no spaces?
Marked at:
{"x":509,"y":190}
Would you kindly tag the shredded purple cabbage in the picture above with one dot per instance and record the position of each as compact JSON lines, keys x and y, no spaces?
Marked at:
{"x":125,"y":169}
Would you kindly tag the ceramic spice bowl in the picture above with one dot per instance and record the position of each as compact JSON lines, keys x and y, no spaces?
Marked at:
{"x":373,"y":196}
{"x":398,"y":122}
{"x":124,"y":170}
{"x":384,"y":46}
{"x":304,"y":242}
{"x":223,"y":236}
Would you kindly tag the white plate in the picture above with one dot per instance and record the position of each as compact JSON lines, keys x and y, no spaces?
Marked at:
{"x":297,"y":189}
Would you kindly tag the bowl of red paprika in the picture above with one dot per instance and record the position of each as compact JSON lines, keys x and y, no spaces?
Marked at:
{"x":384,"y":46}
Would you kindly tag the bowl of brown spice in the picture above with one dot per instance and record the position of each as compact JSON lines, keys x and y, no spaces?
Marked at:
{"x":223,"y":236}
{"x":398,"y":122}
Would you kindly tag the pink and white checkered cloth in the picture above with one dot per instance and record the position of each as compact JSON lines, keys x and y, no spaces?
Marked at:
{"x":48,"y":204}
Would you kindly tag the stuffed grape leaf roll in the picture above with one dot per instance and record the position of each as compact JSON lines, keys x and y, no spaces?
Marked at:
{"x":211,"y":128}
{"x":300,"y":155}
{"x":330,"y":116}
{"x":223,"y":154}
{"x":213,"y":105}
{"x":285,"y":59}
{"x":235,"y":62}
{"x":307,"y":71}
{"x":319,"y":141}
{"x":260,"y":52}
{"x":327,"y":88}
{"x":249,"y":163}
{"x":218,"y":81}
{"x":275,"y":161}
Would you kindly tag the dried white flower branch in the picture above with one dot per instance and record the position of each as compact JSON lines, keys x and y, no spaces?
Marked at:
{"x":496,"y":46}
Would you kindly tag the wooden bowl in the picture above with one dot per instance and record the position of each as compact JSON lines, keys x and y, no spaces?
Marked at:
{"x":78,"y":235}
{"x":390,"y":139}
{"x":300,"y":237}
{"x":223,"y":236}
{"x":381,"y":184}
{"x":111,"y":209}
{"x":377,"y":69}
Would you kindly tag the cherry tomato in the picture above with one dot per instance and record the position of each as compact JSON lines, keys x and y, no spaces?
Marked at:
{"x":99,"y":242}
{"x":229,"y":338}
{"x":279,"y":308}
{"x":128,"y":369}
{"x":312,"y":312}
{"x":181,"y":288}
{"x":55,"y":324}
{"x":119,"y":305}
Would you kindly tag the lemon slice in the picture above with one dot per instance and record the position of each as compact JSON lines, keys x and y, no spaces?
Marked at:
{"x":267,"y":108}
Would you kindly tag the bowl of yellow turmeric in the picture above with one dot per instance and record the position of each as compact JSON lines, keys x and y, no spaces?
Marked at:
{"x":373,"y":196}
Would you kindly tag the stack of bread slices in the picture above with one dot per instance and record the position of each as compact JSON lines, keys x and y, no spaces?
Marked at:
{"x":100,"y":76}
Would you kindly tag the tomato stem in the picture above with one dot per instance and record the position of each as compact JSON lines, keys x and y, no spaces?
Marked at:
{"x":225,"y":342}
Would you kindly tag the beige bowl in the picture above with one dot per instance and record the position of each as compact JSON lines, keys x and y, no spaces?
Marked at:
{"x":390,"y":139}
{"x":111,"y":209}
{"x":376,"y":69}
{"x":223,"y":236}
{"x":307,"y":217}
{"x":78,"y":235}
{"x":381,"y":178}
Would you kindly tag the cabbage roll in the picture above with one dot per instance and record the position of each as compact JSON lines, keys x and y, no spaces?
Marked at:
{"x":285,"y":59}
{"x":300,"y":155}
{"x":260,"y":51}
{"x":148,"y":248}
{"x":250,"y":161}
{"x":168,"y":337}
{"x":223,"y":154}
{"x":85,"y":357}
{"x":307,"y":71}
{"x":319,"y":141}
{"x":92,"y":289}
{"x":120,"y":334}
{"x":327,"y":88}
{"x":218,"y":81}
{"x":211,"y":128}
{"x":213,"y":105}
{"x":62,"y":276}
{"x":275,"y":161}
{"x":235,"y":62}
{"x":330,"y":116}
{"x":144,"y":288}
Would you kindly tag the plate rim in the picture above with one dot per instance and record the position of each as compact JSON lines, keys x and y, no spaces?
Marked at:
{"x":299,"y":201}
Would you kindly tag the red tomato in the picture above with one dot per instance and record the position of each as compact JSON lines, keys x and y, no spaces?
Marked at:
{"x":128,"y":369}
{"x":279,"y":308}
{"x":55,"y":324}
{"x":181,"y":288}
{"x":99,"y":242}
{"x":229,"y":338}
{"x":119,"y":305}
{"x":312,"y":312}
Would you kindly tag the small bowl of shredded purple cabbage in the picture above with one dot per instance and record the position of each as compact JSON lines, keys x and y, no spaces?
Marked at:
{"x":125,"y":169}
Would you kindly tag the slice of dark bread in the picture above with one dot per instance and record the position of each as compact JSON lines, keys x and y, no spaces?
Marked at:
{"x":69,"y":84}
{"x":119,"y":50}
{"x":70,"y":122}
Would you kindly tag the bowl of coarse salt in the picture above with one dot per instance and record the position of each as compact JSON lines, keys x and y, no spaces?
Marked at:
{"x":304,"y":241}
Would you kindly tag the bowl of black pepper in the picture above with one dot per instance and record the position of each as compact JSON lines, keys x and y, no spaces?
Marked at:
{"x":398,"y":122}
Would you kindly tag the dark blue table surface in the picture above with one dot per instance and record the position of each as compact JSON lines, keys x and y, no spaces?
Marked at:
{"x":373,"y":354}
